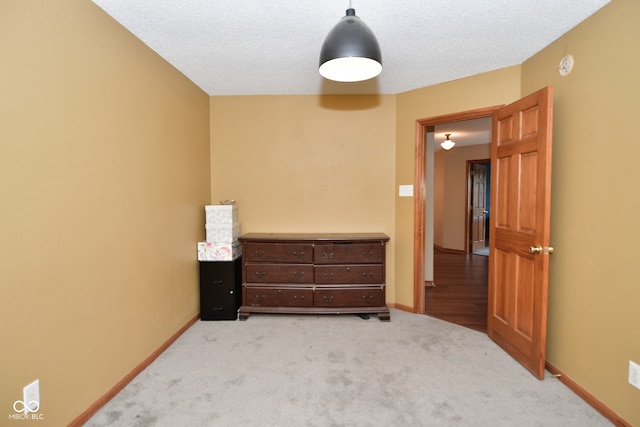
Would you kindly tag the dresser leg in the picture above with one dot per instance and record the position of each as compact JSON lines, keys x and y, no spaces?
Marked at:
{"x":384,"y":317}
{"x":243,"y":316}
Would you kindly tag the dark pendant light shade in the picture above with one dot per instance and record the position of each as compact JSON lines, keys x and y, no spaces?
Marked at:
{"x":350,"y":52}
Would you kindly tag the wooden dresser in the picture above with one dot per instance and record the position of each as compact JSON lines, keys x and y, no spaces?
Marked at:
{"x":316,"y":273}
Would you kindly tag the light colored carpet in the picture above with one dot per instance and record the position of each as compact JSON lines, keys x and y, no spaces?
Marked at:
{"x":290,"y":370}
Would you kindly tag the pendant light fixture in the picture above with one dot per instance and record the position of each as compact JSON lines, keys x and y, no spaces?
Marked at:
{"x":447,"y":144}
{"x":350,"y":53}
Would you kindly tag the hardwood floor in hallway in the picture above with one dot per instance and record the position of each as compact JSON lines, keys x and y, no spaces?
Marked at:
{"x":460,"y":295}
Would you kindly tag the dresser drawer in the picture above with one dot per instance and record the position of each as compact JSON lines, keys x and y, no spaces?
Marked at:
{"x":351,"y":297}
{"x":277,"y":297}
{"x":366,"y":253}
{"x":358,"y":273}
{"x":297,"y":253}
{"x":278,"y":273}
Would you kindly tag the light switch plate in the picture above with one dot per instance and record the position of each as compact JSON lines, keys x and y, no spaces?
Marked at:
{"x":406,"y":191}
{"x":634,"y":374}
{"x":31,"y":397}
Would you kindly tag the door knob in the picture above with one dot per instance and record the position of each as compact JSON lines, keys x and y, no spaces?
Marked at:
{"x":539,"y":249}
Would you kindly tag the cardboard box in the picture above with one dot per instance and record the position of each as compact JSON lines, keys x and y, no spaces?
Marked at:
{"x":223,"y":233}
{"x":211,"y":251}
{"x":221,"y":214}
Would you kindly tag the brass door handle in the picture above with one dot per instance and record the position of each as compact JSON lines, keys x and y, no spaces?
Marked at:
{"x":539,"y":249}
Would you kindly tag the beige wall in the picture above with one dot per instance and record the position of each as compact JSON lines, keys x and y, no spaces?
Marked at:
{"x":594,"y":311}
{"x":480,"y":91}
{"x":103,"y":174}
{"x":450,"y":187}
{"x":307,"y":163}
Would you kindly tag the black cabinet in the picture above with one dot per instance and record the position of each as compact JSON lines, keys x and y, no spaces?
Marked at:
{"x":220,"y":289}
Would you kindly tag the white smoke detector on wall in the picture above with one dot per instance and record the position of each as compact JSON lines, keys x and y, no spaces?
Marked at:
{"x":566,"y":65}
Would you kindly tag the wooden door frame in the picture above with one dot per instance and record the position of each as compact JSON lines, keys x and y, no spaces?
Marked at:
{"x":420,"y":192}
{"x":469,"y":214}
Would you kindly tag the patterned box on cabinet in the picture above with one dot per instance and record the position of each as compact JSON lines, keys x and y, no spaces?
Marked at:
{"x":212,"y":251}
{"x":221,"y":214}
{"x":222,"y":233}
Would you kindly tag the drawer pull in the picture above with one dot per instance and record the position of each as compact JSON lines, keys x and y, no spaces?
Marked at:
{"x":298,"y":274}
{"x":261,"y":273}
{"x":258,"y":300}
{"x":258,"y":253}
{"x":298,"y":297}
{"x":367,"y":297}
{"x":367,"y":255}
{"x":365,"y":274}
{"x":328,"y":298}
{"x":328,"y":276}
{"x":328,"y":255}
{"x":298,"y":254}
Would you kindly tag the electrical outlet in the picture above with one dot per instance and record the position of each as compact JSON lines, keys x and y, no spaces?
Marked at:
{"x":634,"y":374}
{"x":31,"y":396}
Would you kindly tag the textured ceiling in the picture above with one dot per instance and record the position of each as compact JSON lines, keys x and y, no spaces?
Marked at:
{"x":258,"y":47}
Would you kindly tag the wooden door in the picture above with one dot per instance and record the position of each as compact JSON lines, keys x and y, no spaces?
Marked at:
{"x":519,"y":228}
{"x":478,"y":206}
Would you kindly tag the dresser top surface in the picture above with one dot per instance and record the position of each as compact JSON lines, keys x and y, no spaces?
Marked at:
{"x":313,"y":237}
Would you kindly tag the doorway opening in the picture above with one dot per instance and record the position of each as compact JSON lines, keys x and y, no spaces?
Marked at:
{"x":423,"y":218}
{"x":478,"y":206}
